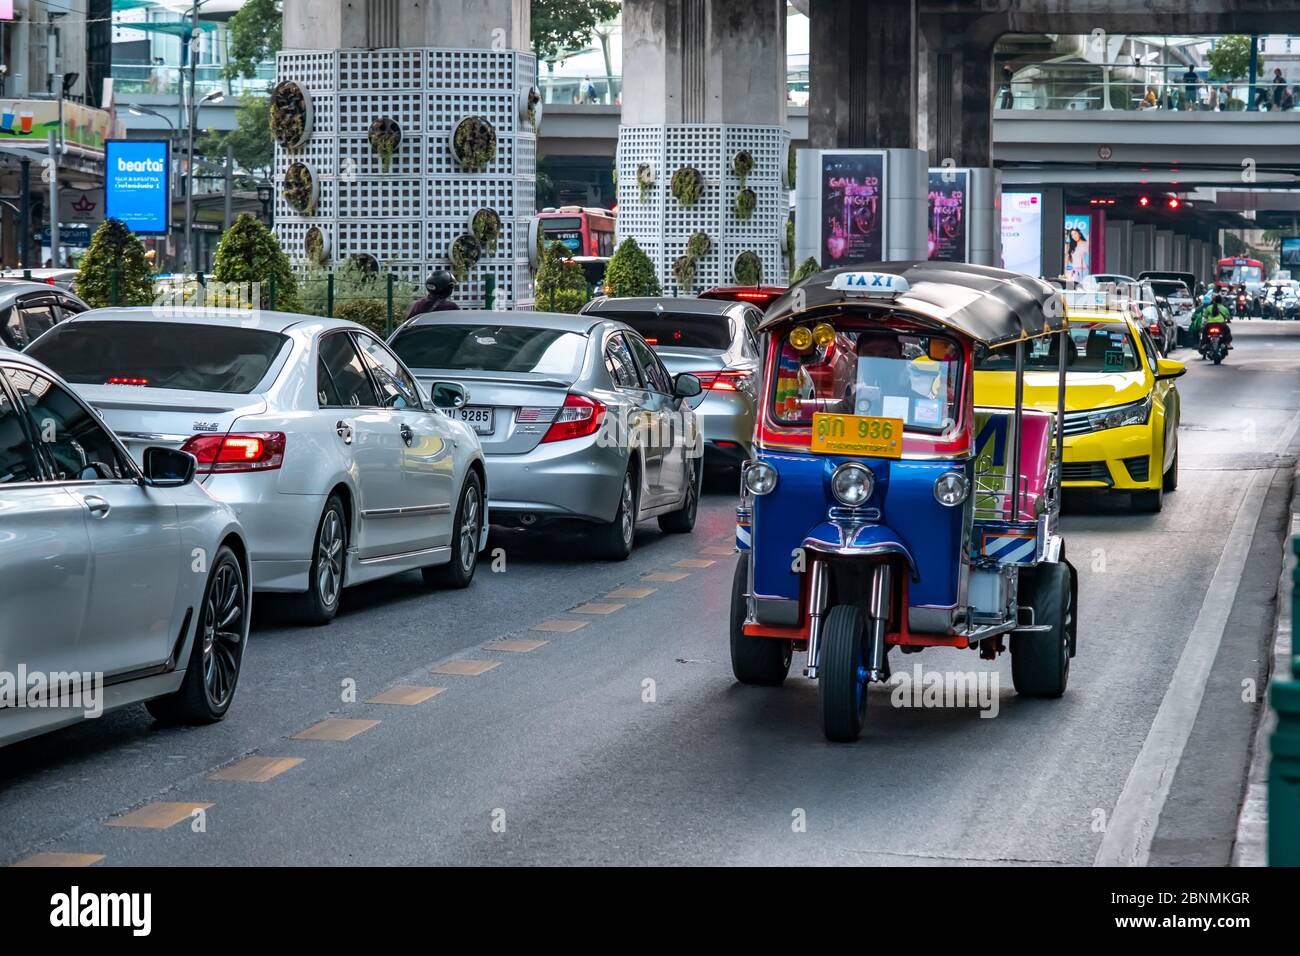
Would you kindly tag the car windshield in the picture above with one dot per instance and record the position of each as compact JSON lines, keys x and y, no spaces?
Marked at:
{"x":1098,"y":347}
{"x":1238,"y":274}
{"x":679,"y":329}
{"x":1170,"y":290}
{"x":913,"y":377}
{"x":492,"y":348}
{"x":181,"y":355}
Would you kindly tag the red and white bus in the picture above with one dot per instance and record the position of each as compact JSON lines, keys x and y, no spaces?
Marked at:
{"x":585,"y":230}
{"x":1236,"y":271}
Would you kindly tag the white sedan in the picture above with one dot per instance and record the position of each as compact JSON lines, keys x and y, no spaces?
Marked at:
{"x":119,"y":583}
{"x":340,"y":469}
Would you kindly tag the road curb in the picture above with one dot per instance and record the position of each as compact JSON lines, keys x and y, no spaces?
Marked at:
{"x":1250,"y":848}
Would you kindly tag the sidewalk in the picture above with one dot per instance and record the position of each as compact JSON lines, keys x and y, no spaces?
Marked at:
{"x":1251,"y":847}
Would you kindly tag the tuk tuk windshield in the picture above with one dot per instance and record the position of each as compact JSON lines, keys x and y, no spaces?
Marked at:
{"x":913,"y":377}
{"x":1098,"y":347}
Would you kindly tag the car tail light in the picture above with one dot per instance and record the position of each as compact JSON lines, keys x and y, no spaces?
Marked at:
{"x":251,"y":451}
{"x":122,"y":380}
{"x":726,"y":381}
{"x":580,"y":416}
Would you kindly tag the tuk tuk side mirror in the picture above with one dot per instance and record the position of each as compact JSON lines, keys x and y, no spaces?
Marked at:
{"x":1168,"y":368}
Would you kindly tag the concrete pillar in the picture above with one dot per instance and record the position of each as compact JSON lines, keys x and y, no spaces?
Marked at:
{"x":1144,"y":248}
{"x":1053,"y":231}
{"x":704,"y":83}
{"x":1195,"y":255}
{"x":863,"y":71}
{"x":1119,"y":247}
{"x":1180,"y":253}
{"x":958,"y":88}
{"x":703,"y":61}
{"x":426,"y":66}
{"x":1164,"y":249}
{"x":351,"y":24}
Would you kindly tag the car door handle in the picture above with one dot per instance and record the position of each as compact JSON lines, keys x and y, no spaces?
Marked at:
{"x":407,"y":435}
{"x":97,"y":506}
{"x":344,"y":431}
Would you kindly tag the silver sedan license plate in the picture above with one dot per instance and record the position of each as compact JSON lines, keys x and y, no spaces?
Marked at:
{"x":479,"y":417}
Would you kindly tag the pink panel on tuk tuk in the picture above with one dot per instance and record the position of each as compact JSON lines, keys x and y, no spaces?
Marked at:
{"x":1035,"y":444}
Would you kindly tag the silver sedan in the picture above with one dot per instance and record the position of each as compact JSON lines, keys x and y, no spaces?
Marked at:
{"x":714,"y":340}
{"x":119,"y":583}
{"x":579,"y":419}
{"x":339,"y":467}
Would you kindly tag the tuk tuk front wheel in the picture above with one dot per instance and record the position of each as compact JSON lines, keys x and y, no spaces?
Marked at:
{"x":763,"y":661}
{"x":842,"y":674}
{"x":1040,"y":660}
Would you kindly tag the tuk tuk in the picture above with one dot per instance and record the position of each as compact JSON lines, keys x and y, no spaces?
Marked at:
{"x":883,"y":510}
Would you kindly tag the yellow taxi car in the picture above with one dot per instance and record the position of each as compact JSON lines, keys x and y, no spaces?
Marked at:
{"x":1121,"y":405}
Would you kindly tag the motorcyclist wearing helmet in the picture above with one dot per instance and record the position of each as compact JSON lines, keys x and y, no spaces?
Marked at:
{"x":1216,"y":311}
{"x":440,"y":285}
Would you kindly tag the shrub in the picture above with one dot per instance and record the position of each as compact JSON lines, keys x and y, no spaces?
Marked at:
{"x":686,"y":186}
{"x":746,"y":203}
{"x":474,"y":143}
{"x":631,"y":272}
{"x":684,"y":273}
{"x":357,"y":289}
{"x":561,"y":284}
{"x":742,"y":164}
{"x":806,"y":268}
{"x":115,"y":249}
{"x":748,"y":268}
{"x":248,"y":252}
{"x":385,"y":136}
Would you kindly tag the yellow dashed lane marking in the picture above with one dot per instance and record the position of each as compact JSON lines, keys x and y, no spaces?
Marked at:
{"x":514,"y":646}
{"x":466,"y":668}
{"x":407,"y":695}
{"x":157,"y":816}
{"x":256,"y":769}
{"x":60,"y":859}
{"x":694,"y":563}
{"x":598,"y":608}
{"x":564,"y":627}
{"x":720,"y":552}
{"x":335,"y":728}
{"x":631,"y":592}
{"x":665,"y":576}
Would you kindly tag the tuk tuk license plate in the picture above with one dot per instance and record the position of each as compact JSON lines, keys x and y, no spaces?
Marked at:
{"x":857,"y":435}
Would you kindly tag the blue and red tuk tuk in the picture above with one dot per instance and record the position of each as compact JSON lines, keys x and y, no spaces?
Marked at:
{"x":883,"y":510}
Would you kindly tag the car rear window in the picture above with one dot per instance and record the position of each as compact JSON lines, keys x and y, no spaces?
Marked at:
{"x":679,"y":330}
{"x":1170,"y":290}
{"x":492,"y":348}
{"x":200,"y":358}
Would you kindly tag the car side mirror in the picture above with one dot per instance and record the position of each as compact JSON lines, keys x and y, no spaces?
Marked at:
{"x":168,"y":467}
{"x":686,"y":385}
{"x":1168,"y":368}
{"x":447,"y":395}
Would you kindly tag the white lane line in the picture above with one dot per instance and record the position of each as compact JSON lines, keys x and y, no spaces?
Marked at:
{"x":1133,"y":822}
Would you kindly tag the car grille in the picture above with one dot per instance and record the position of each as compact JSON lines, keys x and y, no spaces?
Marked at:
{"x":1077,"y":423}
{"x":1139,"y":469}
{"x":1085,"y":471}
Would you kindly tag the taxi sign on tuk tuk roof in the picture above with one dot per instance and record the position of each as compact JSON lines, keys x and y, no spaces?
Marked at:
{"x":991,"y":306}
{"x":883,"y":284}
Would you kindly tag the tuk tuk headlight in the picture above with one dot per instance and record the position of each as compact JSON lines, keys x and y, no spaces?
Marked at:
{"x":760,"y":478}
{"x":801,"y":339}
{"x":823,"y":334}
{"x":852,"y":484}
{"x":950,"y":488}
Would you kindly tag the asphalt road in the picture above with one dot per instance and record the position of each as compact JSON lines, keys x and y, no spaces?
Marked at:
{"x":626,"y":740}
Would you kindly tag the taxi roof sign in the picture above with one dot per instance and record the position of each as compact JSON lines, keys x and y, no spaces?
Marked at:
{"x":874,"y":284}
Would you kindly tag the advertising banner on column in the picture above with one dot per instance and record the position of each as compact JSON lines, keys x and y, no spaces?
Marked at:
{"x":1291,"y":255}
{"x":1022,"y":232}
{"x":1078,"y":245}
{"x":948,"y":227}
{"x":852,"y":207}
{"x":136,"y":184}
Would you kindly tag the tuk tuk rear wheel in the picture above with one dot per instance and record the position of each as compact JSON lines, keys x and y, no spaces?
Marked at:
{"x":763,"y":661}
{"x":842,"y":674}
{"x":1040,"y":660}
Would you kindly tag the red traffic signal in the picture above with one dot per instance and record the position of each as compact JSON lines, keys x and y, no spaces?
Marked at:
{"x":1173,"y":202}
{"x":1144,"y":201}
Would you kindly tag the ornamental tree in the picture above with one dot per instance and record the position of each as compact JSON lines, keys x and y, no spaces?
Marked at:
{"x":248,"y":252}
{"x":631,"y":272}
{"x":114,"y":270}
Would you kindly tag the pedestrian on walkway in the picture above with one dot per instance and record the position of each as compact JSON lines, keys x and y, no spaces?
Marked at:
{"x":1007,"y":99}
{"x":1190,"y":83}
{"x":1279,"y":87}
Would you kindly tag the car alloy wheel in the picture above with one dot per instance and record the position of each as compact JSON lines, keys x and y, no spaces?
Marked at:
{"x":223,"y":635}
{"x":469,"y":529}
{"x":329,"y":548}
{"x":625,"y":509}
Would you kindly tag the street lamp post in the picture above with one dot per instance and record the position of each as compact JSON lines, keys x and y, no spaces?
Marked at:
{"x":216,"y":96}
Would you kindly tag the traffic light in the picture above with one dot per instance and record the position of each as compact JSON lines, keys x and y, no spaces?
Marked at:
{"x":1173,"y":202}
{"x":1144,"y":201}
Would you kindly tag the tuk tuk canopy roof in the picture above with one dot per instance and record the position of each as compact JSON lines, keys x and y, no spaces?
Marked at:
{"x":991,"y":306}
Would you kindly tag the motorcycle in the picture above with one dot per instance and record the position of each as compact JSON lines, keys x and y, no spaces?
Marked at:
{"x":1243,"y":304}
{"x":1214,"y":343}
